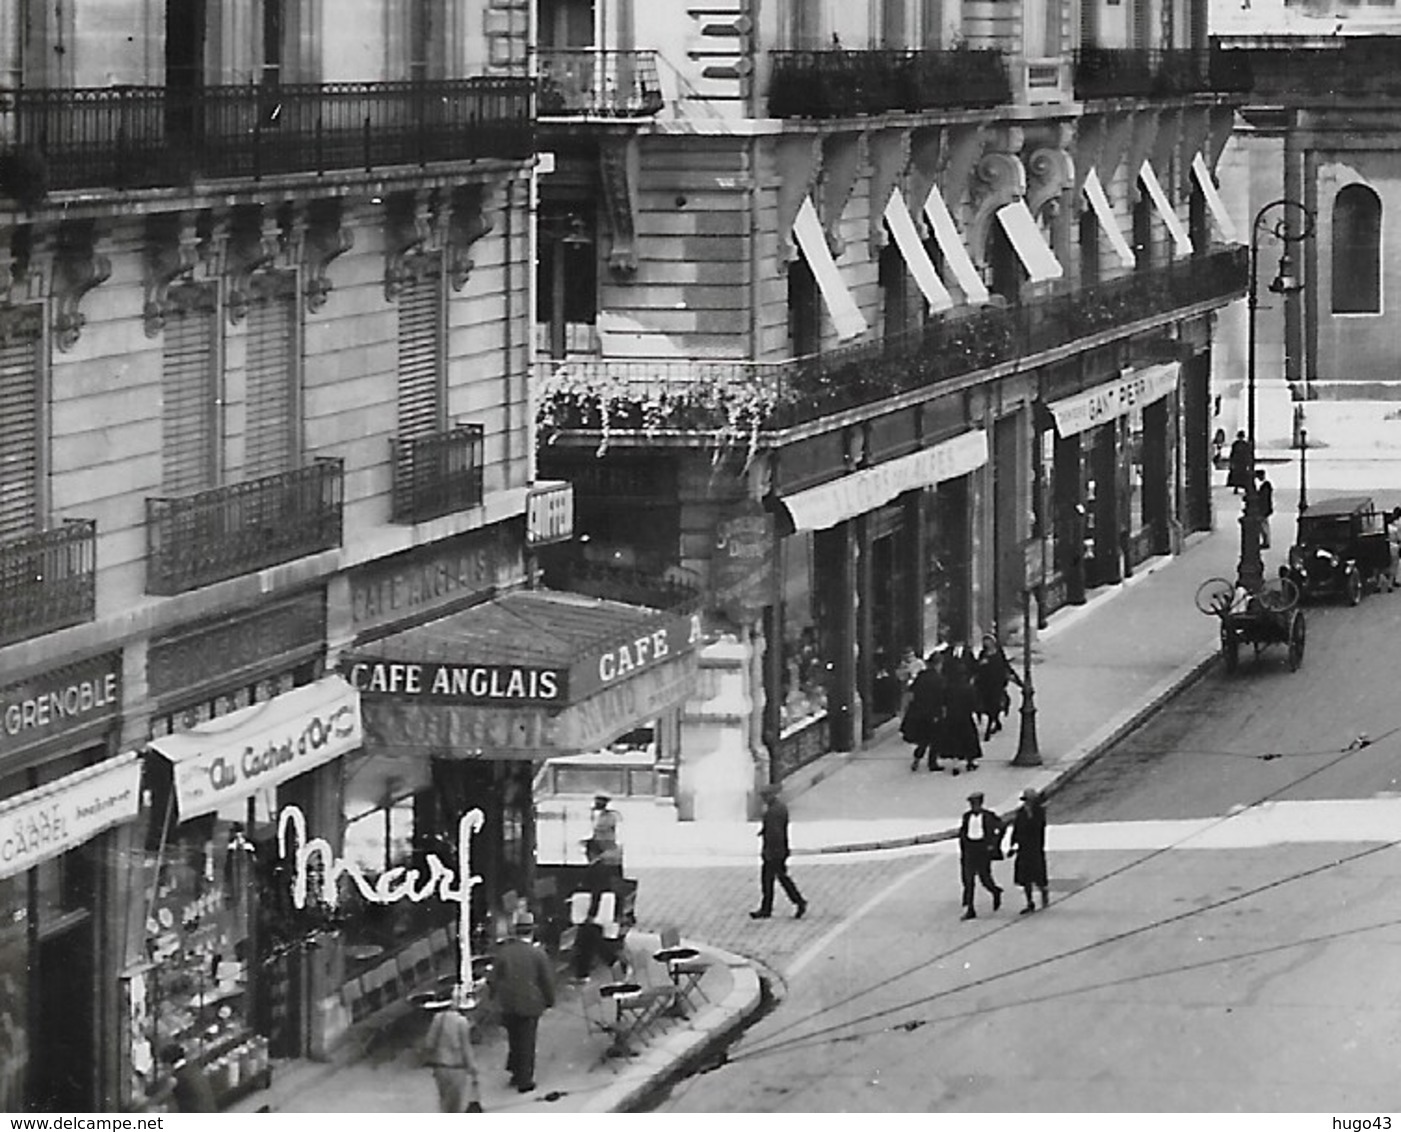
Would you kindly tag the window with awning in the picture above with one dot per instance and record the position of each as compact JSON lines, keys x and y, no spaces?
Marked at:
{"x":1215,"y":205}
{"x":1026,"y":239}
{"x":1104,"y":213}
{"x":1181,"y":242}
{"x":951,"y":244}
{"x":846,"y":315}
{"x":902,"y":228}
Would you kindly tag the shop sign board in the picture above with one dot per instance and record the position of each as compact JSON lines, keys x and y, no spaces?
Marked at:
{"x":741,"y":562}
{"x":1114,"y":399}
{"x":626,"y":657}
{"x":431,"y":579}
{"x":592,"y":723}
{"x":549,"y":512}
{"x":458,"y":683}
{"x":41,"y":824}
{"x":261,"y":746}
{"x":58,"y":702}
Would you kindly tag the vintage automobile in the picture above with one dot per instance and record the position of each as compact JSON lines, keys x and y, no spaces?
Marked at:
{"x":1342,"y":548}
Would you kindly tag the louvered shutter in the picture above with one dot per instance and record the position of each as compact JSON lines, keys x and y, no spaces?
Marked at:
{"x":271,"y":417}
{"x":19,"y":436}
{"x":420,"y":352}
{"x":188,"y":387}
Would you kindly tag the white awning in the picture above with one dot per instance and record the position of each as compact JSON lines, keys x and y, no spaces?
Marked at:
{"x":1131,"y":390}
{"x":1180,"y":240}
{"x":955,"y":254}
{"x":1099,"y":201}
{"x":1214,"y":204}
{"x":902,"y":227}
{"x":829,"y":504}
{"x":40,"y":824}
{"x":232,"y":756}
{"x":1031,"y":247}
{"x":846,"y":315}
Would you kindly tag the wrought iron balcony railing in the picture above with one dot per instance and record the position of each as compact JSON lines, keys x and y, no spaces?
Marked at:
{"x":1112,"y":72}
{"x":143,"y":137}
{"x":593,"y":82}
{"x":48,"y":580}
{"x":196,"y":540}
{"x":436,"y":475}
{"x":843,"y":84}
{"x":620,"y":583}
{"x":737,"y":400}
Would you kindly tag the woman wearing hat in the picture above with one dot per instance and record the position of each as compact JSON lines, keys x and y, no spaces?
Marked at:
{"x":1028,"y":843}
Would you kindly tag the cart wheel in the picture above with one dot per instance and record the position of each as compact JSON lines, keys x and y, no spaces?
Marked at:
{"x":1230,"y":647}
{"x":1214,"y":596}
{"x":1354,"y":585}
{"x":1296,"y":641}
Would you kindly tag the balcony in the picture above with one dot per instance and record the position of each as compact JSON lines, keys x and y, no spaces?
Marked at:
{"x":1106,"y":72}
{"x":154,"y":137}
{"x":844,"y":84}
{"x":436,"y":475}
{"x":594,"y":83}
{"x":197,"y":540}
{"x":48,"y":580}
{"x":621,"y":583}
{"x":736,"y":401}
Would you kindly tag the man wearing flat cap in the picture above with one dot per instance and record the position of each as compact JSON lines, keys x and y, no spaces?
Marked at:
{"x":979,"y":844}
{"x":773,"y":831}
{"x":524,"y":988}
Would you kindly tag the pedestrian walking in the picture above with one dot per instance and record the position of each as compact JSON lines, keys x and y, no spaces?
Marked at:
{"x":992,"y":673}
{"x":1238,"y":464}
{"x":774,"y":858}
{"x":979,"y":844}
{"x":924,"y":713}
{"x":958,"y":731}
{"x":1264,"y":506}
{"x":524,"y":988}
{"x":447,"y":1050}
{"x":1027,"y":842}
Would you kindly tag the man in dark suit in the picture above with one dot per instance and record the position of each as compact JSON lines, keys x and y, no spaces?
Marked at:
{"x":774,"y":865}
{"x":979,"y":844}
{"x":524,"y":987}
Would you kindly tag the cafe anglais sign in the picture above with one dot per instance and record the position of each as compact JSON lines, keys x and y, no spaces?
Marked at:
{"x":459,"y":683}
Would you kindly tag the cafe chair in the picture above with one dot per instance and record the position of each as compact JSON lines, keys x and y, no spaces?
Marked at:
{"x":602,"y":1018}
{"x":685,"y":966}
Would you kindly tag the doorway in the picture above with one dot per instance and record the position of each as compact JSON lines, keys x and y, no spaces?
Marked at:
{"x":894,"y":622}
{"x":64,"y":1056}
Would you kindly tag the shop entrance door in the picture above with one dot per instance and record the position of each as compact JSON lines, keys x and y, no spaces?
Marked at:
{"x":893,"y":620}
{"x":63,"y":1056}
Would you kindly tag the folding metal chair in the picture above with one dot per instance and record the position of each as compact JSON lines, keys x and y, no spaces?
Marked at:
{"x":686,"y":967}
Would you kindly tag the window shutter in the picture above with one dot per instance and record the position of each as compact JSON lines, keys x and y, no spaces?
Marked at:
{"x":420,"y":351}
{"x":271,"y":412}
{"x":188,"y":388}
{"x":19,"y":435}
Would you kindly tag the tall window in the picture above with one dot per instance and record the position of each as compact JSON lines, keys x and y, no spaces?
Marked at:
{"x":1357,"y":245}
{"x":804,"y":311}
{"x":19,"y":435}
{"x":421,"y":352}
{"x":895,"y":294}
{"x":892,"y":24}
{"x":1089,"y":248}
{"x":566,"y":293}
{"x":805,"y":25}
{"x":931,"y":23}
{"x":189,"y":392}
{"x":270,"y":424}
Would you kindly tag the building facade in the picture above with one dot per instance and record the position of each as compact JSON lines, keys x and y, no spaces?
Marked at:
{"x":870,"y":318}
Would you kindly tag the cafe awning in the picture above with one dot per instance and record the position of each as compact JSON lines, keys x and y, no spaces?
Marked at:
{"x":1214,"y":204}
{"x":846,"y":315}
{"x":528,"y":675}
{"x":951,"y":244}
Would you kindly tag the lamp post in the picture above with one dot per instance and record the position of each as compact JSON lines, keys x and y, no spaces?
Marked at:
{"x":1028,"y":748}
{"x":1250,"y":572}
{"x":1303,"y":473}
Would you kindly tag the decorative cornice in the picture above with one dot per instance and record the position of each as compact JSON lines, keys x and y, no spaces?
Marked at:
{"x":171,"y":252}
{"x":254,"y":240}
{"x":77,"y":269}
{"x":408,"y":231}
{"x":326,"y":238}
{"x":467,"y":223}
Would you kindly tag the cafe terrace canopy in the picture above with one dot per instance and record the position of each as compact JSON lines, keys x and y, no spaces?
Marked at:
{"x":528,"y":675}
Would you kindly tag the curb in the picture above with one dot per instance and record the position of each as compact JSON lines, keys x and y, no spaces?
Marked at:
{"x":1087,"y":752}
{"x":679,"y":1054}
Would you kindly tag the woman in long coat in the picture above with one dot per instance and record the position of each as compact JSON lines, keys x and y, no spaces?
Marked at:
{"x":1028,"y":842}
{"x":991,"y":676}
{"x":1238,"y":464}
{"x":920,"y":724}
{"x":958,"y":736}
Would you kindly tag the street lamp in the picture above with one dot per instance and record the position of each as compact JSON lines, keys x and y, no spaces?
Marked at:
{"x":1250,"y":573}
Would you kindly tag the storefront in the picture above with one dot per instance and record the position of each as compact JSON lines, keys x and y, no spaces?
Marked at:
{"x":875,"y":569}
{"x":218,"y":964}
{"x":1108,"y":470}
{"x":62,"y":798}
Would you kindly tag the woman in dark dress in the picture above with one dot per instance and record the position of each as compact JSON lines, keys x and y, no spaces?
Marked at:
{"x":958,"y":736}
{"x":920,"y":724}
{"x":1028,"y":842}
{"x":993,"y":672}
{"x":1238,"y":464}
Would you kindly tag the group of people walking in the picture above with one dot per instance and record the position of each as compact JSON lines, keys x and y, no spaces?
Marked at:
{"x":980,"y":836}
{"x":946,"y":698}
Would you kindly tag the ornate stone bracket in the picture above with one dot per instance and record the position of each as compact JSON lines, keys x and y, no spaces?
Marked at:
{"x":618,"y":165}
{"x":963,"y":145}
{"x":841,"y":161}
{"x":1196,"y":121}
{"x":254,"y":240}
{"x":468,"y":223}
{"x":1145,"y":130}
{"x":1223,"y":122}
{"x":408,"y":230}
{"x":998,"y":180}
{"x":799,"y":160}
{"x":1118,"y":131}
{"x":172,"y":250}
{"x":1050,"y":167}
{"x":326,"y":238}
{"x":1088,"y":145}
{"x":926,"y":147}
{"x":77,"y":269}
{"x":890,"y":153}
{"x":1165,"y":142}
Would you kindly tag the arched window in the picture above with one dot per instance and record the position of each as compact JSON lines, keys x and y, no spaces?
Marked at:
{"x":1357,"y":246}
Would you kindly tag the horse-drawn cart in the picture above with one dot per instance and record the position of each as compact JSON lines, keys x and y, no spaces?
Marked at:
{"x":1270,"y":617}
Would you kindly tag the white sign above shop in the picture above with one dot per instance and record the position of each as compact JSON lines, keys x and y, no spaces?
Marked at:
{"x":1118,"y":398}
{"x":233,"y":756}
{"x":40,"y":824}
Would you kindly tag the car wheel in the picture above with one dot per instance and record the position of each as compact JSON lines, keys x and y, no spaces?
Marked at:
{"x":1353,"y":585}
